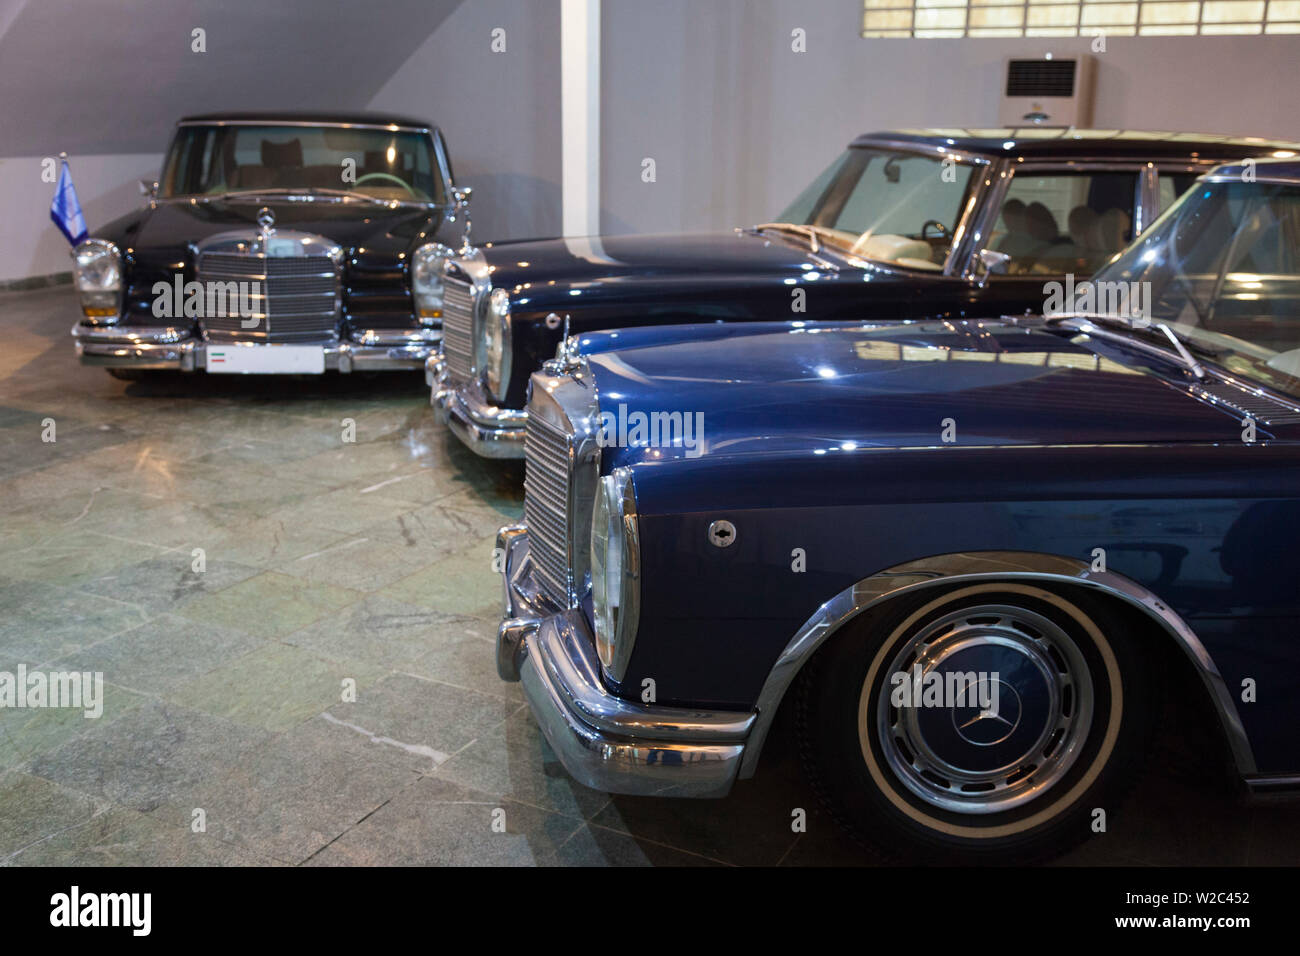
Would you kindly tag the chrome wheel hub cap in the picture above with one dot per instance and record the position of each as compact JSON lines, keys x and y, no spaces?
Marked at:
{"x":983,"y":709}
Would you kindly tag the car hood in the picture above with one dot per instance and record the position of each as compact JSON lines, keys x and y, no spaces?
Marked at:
{"x":377,"y":229}
{"x":832,"y":389}
{"x":595,"y":260}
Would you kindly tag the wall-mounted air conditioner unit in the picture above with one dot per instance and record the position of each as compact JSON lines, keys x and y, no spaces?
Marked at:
{"x":1047,"y":92}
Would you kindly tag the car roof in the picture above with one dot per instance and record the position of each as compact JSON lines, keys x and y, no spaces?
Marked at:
{"x":309,"y":117}
{"x":1083,"y":143}
{"x":1264,"y":170}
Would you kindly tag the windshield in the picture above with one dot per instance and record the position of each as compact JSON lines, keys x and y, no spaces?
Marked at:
{"x":376,"y":163}
{"x":890,"y":205}
{"x":1222,"y":268}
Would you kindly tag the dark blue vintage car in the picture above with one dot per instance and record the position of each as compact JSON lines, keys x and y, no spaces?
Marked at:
{"x":971,"y":556}
{"x":905,"y":224}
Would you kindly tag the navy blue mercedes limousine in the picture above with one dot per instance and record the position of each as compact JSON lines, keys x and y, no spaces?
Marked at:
{"x":970,"y":558}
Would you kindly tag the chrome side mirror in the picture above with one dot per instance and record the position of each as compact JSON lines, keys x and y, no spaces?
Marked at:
{"x":993,"y":263}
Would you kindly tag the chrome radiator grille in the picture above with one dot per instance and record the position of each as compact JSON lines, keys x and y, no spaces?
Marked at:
{"x":547,"y":476}
{"x":298,"y":296}
{"x":458,"y":328}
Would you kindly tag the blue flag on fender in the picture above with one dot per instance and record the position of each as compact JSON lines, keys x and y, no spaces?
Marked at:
{"x":66,"y":210}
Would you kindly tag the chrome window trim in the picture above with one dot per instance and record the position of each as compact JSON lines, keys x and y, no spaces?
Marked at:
{"x":942,"y":570}
{"x":973,"y":202}
{"x":442,"y":163}
{"x":939,"y":149}
{"x":1148,"y":203}
{"x":1011,"y":167}
{"x":317,"y":124}
{"x":995,"y":189}
{"x":1273,"y":180}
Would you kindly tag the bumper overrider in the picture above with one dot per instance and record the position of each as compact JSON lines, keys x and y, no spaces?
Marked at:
{"x":605,"y":742}
{"x":489,"y":430}
{"x":152,"y":348}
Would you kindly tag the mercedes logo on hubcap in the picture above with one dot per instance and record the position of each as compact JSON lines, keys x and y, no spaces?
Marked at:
{"x":986,"y":727}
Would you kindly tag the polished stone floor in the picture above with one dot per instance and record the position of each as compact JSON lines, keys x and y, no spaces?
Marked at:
{"x":330,"y":564}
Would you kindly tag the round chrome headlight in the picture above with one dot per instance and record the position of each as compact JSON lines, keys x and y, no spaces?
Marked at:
{"x":615,"y":571}
{"x":97,"y":274}
{"x":427,"y":266}
{"x":496,"y":343}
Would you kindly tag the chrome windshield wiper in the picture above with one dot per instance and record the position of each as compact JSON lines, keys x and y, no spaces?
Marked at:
{"x":290,"y":194}
{"x":1197,"y":369}
{"x":344,"y":194}
{"x":808,"y":232}
{"x":1183,"y":346}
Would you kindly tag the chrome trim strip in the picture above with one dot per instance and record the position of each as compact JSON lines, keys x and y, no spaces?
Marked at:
{"x":190,"y":355}
{"x":913,"y":146}
{"x":396,"y":336}
{"x":338,"y":124}
{"x":998,"y":180}
{"x":987,"y":566}
{"x":975,"y":210}
{"x":130,"y":334}
{"x":1147,"y":206}
{"x":1273,"y":783}
{"x":1260,"y":177}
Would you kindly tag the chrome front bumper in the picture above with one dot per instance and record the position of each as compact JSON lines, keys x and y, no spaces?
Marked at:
{"x":605,"y":742}
{"x":488,"y":430}
{"x":122,"y":346}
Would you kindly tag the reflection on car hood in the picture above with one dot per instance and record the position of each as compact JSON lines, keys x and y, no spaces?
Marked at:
{"x":379,"y":229}
{"x":898,"y":386}
{"x":645,"y":258}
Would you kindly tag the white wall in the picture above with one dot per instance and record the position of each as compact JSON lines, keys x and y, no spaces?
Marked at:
{"x":737,"y":123}
{"x":500,"y":112}
{"x":30,"y":244}
{"x":107,"y":81}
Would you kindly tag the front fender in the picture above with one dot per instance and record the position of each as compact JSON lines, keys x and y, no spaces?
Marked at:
{"x":952,"y":569}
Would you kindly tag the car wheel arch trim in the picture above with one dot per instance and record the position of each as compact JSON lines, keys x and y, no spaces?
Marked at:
{"x":947,"y":570}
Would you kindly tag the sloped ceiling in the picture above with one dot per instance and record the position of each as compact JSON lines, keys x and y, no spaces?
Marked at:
{"x":113,"y":76}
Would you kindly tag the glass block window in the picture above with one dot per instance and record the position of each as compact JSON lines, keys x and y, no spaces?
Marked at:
{"x":1061,"y":18}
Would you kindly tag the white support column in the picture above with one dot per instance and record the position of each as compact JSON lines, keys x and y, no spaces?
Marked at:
{"x":580,"y":115}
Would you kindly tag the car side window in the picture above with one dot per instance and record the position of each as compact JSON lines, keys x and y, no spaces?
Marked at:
{"x":1064,"y":222}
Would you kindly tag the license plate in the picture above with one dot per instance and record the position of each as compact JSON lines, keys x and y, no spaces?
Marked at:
{"x":267,"y":359}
